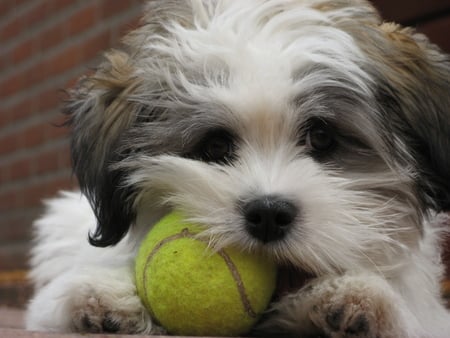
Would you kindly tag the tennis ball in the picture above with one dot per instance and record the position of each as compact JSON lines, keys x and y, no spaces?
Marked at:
{"x":190,"y":290}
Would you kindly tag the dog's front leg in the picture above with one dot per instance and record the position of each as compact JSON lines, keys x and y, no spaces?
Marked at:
{"x":80,"y":287}
{"x":338,"y":307}
{"x":94,"y":299}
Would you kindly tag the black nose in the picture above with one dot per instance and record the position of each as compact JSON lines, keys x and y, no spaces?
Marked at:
{"x":269,"y":218}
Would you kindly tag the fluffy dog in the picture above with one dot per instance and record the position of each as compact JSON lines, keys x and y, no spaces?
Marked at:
{"x":308,"y":130}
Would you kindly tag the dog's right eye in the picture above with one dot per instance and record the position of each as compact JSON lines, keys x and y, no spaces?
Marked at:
{"x":216,"y":146}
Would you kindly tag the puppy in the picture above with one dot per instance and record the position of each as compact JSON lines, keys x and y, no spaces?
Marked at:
{"x":306,"y":130}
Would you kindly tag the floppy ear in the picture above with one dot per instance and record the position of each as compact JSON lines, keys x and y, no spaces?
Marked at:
{"x":102,"y":113}
{"x":99,"y":113}
{"x":418,"y":76}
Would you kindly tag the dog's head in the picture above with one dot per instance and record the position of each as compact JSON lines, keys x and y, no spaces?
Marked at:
{"x":309,"y":130}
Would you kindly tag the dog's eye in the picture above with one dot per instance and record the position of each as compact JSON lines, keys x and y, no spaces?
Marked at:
{"x":320,"y":137}
{"x":217,"y":147}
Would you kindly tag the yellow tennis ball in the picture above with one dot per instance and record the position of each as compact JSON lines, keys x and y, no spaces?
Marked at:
{"x":190,"y":290}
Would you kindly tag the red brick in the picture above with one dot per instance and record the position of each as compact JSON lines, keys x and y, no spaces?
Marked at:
{"x":64,"y":159}
{"x":9,"y":200}
{"x":111,"y":8}
{"x":33,"y":195}
{"x":5,"y":118}
{"x":22,"y":23}
{"x":13,"y":257}
{"x":46,"y":163}
{"x":37,"y":14}
{"x":84,"y":19}
{"x":44,"y":70}
{"x":4,"y":174}
{"x":12,"y":85}
{"x":40,"y":174}
{"x":22,"y":52}
{"x":5,"y":61}
{"x":19,"y":81}
{"x":22,"y":109}
{"x":20,"y":169}
{"x":33,"y":135}
{"x":51,"y":37}
{"x":67,"y":59}
{"x":63,"y":61}
{"x":49,"y":99}
{"x":16,"y":226}
{"x":49,"y":161}
{"x":38,"y":103}
{"x":63,"y":183}
{"x":6,"y":6}
{"x":95,"y":45}
{"x":42,"y":163}
{"x":12,"y":29}
{"x":35,"y":75}
{"x":12,"y":142}
{"x":56,"y":6}
{"x":9,"y":143}
{"x":56,"y":130}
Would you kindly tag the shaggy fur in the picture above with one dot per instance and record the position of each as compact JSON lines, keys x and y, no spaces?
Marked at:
{"x":314,"y":113}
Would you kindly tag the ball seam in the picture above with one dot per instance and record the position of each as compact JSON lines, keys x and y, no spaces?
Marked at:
{"x":239,"y":283}
{"x":185,"y":233}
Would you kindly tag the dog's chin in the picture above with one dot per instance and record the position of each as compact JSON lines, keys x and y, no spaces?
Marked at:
{"x":291,"y":279}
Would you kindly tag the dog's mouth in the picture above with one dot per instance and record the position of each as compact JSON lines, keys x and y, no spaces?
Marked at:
{"x":291,"y":279}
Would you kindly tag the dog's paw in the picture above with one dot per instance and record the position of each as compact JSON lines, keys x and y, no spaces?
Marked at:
{"x":340,"y":307}
{"x":94,"y":313}
{"x":110,"y":308}
{"x":348,"y":315}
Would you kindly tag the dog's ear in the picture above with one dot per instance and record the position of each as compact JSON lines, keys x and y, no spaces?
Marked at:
{"x":99,"y":112}
{"x":418,"y":79}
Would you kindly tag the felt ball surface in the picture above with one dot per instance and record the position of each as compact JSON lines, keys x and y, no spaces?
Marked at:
{"x":191,"y":290}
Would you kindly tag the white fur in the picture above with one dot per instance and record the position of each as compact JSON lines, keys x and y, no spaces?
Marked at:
{"x":70,"y":273}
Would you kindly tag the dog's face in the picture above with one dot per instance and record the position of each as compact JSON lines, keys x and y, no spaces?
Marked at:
{"x":307,"y":130}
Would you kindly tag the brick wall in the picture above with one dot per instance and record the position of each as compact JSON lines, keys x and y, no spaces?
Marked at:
{"x":44,"y":46}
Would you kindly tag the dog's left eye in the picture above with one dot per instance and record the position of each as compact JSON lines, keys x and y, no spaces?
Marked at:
{"x":320,"y":137}
{"x":217,"y":147}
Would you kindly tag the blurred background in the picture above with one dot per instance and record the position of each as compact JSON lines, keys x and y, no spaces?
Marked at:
{"x":45,"y":45}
